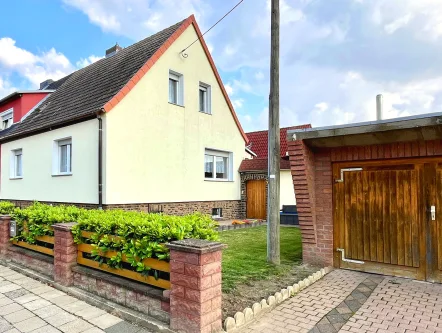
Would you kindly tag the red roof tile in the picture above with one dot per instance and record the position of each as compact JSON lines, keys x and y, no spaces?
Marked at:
{"x":259,"y":140}
{"x":261,"y":164}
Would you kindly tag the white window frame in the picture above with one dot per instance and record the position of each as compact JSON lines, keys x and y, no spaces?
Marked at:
{"x":219,"y":153}
{"x":7,"y":115}
{"x":179,"y":78}
{"x":56,"y":157}
{"x":219,"y":215}
{"x":207,"y":98}
{"x":13,"y":169}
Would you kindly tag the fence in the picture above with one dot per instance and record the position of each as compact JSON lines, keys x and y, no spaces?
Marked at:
{"x":85,"y":252}
{"x":194,"y":302}
{"x":46,"y":247}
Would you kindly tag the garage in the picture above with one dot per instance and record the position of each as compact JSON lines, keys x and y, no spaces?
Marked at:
{"x":369,"y":195}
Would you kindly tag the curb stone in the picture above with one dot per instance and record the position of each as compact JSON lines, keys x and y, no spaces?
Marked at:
{"x":249,"y":314}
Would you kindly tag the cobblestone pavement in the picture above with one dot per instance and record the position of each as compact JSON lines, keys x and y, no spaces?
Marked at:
{"x":351,"y":302}
{"x":26,"y":305}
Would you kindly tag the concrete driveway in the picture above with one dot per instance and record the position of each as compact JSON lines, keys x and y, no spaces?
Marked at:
{"x":347,"y":301}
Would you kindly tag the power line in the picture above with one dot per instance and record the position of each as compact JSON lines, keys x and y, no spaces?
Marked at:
{"x":222,"y":18}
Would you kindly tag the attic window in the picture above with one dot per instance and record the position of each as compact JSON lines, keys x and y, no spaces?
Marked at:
{"x":176,"y":88}
{"x":7,"y":118}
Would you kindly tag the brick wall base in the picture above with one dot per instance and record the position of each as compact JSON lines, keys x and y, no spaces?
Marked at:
{"x":231,"y":209}
{"x":133,"y":295}
{"x":36,"y":261}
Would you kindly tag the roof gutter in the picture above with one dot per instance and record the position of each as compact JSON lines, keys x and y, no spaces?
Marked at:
{"x":100,"y":159}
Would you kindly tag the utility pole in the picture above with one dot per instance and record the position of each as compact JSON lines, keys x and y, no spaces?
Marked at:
{"x":273,"y":244}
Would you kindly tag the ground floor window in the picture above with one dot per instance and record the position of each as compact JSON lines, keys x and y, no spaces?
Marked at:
{"x":217,"y":165}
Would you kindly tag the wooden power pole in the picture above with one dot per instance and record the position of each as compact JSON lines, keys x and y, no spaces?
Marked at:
{"x":273,"y":245}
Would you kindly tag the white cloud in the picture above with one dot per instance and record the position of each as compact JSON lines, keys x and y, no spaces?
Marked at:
{"x":83,"y":62}
{"x":398,"y":23}
{"x":97,"y":13}
{"x":6,"y":87}
{"x":259,"y":76}
{"x":35,"y":68}
{"x":238,"y":103}
{"x":321,"y":107}
{"x":229,"y":89}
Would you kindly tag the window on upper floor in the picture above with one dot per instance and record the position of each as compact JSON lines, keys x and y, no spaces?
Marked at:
{"x":176,"y":88}
{"x":204,"y":98}
{"x":16,"y":170}
{"x":217,"y":165}
{"x":62,"y":159}
{"x":7,"y":118}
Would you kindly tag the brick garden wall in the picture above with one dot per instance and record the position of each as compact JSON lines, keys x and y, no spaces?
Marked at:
{"x":313,"y":182}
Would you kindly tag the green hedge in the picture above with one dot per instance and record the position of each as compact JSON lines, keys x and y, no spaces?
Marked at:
{"x":141,"y":235}
{"x":6,"y":207}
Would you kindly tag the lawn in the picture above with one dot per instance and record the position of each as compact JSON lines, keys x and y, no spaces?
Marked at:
{"x":245,"y":261}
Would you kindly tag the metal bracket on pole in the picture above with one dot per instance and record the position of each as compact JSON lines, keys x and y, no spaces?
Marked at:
{"x":346,"y":170}
{"x":348,"y":260}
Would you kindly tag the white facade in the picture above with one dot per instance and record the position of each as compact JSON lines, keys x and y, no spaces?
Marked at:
{"x":40,"y":177}
{"x":287,"y":190}
{"x":155,"y":150}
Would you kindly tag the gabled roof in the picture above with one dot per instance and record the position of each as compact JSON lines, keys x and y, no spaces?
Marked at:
{"x":261,"y":164}
{"x":258,"y":141}
{"x":100,"y":86}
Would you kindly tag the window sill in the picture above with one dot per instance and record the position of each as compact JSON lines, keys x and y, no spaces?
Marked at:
{"x":218,"y":180}
{"x":15,"y":178}
{"x":181,"y":106}
{"x":207,"y":113}
{"x":62,"y":174}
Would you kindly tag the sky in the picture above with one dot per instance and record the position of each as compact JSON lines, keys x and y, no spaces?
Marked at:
{"x":336,"y":55}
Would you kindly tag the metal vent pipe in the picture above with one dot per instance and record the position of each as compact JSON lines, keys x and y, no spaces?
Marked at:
{"x":379,"y":107}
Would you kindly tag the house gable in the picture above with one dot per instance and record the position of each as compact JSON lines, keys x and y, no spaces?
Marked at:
{"x":151,"y":62}
{"x":155,"y":150}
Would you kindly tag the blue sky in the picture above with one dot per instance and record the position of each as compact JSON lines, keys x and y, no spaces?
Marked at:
{"x":335,"y":55}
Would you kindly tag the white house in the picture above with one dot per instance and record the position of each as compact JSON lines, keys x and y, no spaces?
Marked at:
{"x":148,"y":127}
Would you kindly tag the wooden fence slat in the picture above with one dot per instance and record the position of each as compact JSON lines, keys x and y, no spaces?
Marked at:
{"x":153,"y":263}
{"x":124,"y":273}
{"x":36,"y":248}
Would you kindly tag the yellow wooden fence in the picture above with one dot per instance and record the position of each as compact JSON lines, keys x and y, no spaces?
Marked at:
{"x":38,"y":248}
{"x":159,"y":265}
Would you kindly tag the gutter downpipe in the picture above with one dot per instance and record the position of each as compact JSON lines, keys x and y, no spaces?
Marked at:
{"x":100,"y":160}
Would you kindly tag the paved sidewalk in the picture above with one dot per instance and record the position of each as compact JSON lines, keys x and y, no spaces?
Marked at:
{"x":352,"y":302}
{"x":27,"y":305}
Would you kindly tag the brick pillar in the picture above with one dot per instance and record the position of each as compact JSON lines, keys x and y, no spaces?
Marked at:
{"x":195,"y":276}
{"x":65,"y":253}
{"x":4,"y":234}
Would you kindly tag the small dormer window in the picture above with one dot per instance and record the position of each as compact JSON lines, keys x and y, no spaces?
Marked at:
{"x":7,"y":118}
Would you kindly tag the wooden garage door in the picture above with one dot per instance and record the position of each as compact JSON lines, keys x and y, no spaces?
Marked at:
{"x":378,"y":224}
{"x":256,"y":199}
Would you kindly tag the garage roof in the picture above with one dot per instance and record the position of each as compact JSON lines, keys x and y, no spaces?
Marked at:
{"x":414,"y":128}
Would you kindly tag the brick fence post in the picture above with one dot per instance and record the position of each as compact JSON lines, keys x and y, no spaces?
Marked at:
{"x":195,"y":276}
{"x":5,"y":221}
{"x":65,"y":253}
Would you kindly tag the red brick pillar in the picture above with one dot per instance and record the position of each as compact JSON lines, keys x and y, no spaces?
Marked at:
{"x":65,"y":253}
{"x":4,"y":234}
{"x":195,"y":276}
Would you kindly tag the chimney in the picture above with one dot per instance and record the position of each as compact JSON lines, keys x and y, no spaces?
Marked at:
{"x":379,"y":107}
{"x":113,"y":50}
{"x":45,"y":84}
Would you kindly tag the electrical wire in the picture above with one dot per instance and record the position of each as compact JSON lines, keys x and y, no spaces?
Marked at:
{"x":222,"y":18}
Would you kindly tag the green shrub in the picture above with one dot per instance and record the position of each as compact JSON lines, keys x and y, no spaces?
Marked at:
{"x":141,"y":235}
{"x":6,"y":207}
